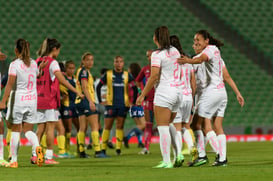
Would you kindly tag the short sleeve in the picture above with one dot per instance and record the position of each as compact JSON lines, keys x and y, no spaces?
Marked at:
{"x":12,"y":69}
{"x":103,"y":79}
{"x":54,"y":67}
{"x":208,"y":52}
{"x":83,"y":74}
{"x":155,"y":59}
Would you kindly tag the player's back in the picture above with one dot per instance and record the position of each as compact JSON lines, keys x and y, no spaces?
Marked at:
{"x":170,"y":74}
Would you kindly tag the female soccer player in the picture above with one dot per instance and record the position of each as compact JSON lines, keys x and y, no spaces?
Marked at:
{"x":166,"y":73}
{"x":136,"y":112}
{"x":117,"y":101}
{"x":49,"y":94}
{"x":86,"y":108}
{"x":148,"y":104}
{"x":68,"y":107}
{"x":182,"y":118}
{"x":213,"y":100}
{"x":21,"y":87}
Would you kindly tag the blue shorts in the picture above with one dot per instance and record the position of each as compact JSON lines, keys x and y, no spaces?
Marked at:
{"x":68,"y":112}
{"x":114,"y":111}
{"x":83,"y":108}
{"x":136,"y":112}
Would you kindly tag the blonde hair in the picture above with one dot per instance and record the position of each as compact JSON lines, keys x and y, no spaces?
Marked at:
{"x":47,"y":47}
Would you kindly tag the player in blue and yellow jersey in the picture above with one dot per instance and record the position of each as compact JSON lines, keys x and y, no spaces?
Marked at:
{"x":68,"y":107}
{"x":86,"y":107}
{"x":117,"y":101}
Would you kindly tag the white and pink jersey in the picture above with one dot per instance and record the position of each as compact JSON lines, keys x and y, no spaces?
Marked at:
{"x":187,"y":69}
{"x":25,"y":87}
{"x":170,"y":70}
{"x":214,"y":67}
{"x":200,"y":76}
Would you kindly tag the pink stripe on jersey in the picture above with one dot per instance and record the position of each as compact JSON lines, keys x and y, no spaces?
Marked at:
{"x":56,"y":71}
{"x":14,"y":74}
{"x":155,"y":65}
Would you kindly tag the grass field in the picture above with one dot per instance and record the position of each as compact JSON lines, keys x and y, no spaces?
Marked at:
{"x":246,"y":161}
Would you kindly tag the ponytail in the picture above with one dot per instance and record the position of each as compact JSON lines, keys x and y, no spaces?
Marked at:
{"x":47,"y":46}
{"x":212,"y":40}
{"x":162,"y":36}
{"x":23,"y":48}
{"x":176,"y":43}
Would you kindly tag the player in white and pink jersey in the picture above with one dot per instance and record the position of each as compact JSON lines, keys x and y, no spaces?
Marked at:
{"x":213,"y":100}
{"x":22,"y":108}
{"x":166,"y":73}
{"x":182,"y":118}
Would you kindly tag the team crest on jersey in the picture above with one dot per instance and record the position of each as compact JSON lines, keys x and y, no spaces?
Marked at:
{"x":84,"y":73}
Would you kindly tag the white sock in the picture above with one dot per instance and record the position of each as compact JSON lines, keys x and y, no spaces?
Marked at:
{"x":206,"y":141}
{"x":213,"y":141}
{"x":14,"y":144}
{"x":49,"y":154}
{"x":33,"y":139}
{"x":1,"y":147}
{"x":174,"y":140}
{"x":200,"y":143}
{"x":179,"y":141}
{"x":188,"y":138}
{"x":165,"y":142}
{"x":222,"y":147}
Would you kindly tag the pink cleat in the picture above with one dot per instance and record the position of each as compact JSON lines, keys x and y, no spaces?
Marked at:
{"x":51,"y":162}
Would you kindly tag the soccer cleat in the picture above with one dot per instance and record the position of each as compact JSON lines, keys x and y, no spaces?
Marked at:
{"x":179,"y":161}
{"x":118,"y":152}
{"x":64,"y":155}
{"x":219,"y":163}
{"x":12,"y":165}
{"x":33,"y":160}
{"x":126,"y":142}
{"x":110,"y":145}
{"x":55,"y":155}
{"x":40,"y":156}
{"x":140,"y":145}
{"x":199,"y":161}
{"x":3,"y":162}
{"x":194,"y":154}
{"x":144,"y":151}
{"x":84,"y":155}
{"x":164,"y":165}
{"x":51,"y":162}
{"x":89,"y":147}
{"x":101,"y":155}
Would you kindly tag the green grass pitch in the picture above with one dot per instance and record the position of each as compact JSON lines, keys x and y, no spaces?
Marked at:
{"x":246,"y":161}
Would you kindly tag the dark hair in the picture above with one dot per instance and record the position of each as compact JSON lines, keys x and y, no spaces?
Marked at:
{"x":69,"y":62}
{"x":212,"y":40}
{"x":61,"y":65}
{"x":135,"y":69}
{"x":176,"y":43}
{"x":86,"y":54}
{"x":23,"y":48}
{"x":47,"y":46}
{"x":103,"y":70}
{"x":162,"y":36}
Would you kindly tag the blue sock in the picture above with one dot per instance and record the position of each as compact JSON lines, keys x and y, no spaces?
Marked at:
{"x":131,"y":133}
{"x":139,"y":135}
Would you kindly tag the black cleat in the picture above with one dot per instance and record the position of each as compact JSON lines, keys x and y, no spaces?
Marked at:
{"x":110,"y":145}
{"x":126,"y":142}
{"x":84,"y":155}
{"x":199,"y":161}
{"x":219,"y":163}
{"x":140,"y":145}
{"x":118,"y":152}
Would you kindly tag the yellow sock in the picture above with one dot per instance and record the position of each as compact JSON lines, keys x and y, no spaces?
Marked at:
{"x":192,"y":135}
{"x":8,"y":140}
{"x":81,"y":137}
{"x":96,"y":140}
{"x":61,"y":144}
{"x":67,"y":141}
{"x":105,"y":138}
{"x":43,"y":141}
{"x":119,"y":138}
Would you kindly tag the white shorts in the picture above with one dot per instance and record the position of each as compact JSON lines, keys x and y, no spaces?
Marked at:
{"x":184,"y":112}
{"x":47,"y":115}
{"x":168,"y":97}
{"x":19,"y":114}
{"x":212,"y":103}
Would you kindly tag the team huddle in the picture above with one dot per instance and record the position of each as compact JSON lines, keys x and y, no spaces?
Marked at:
{"x":186,"y":96}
